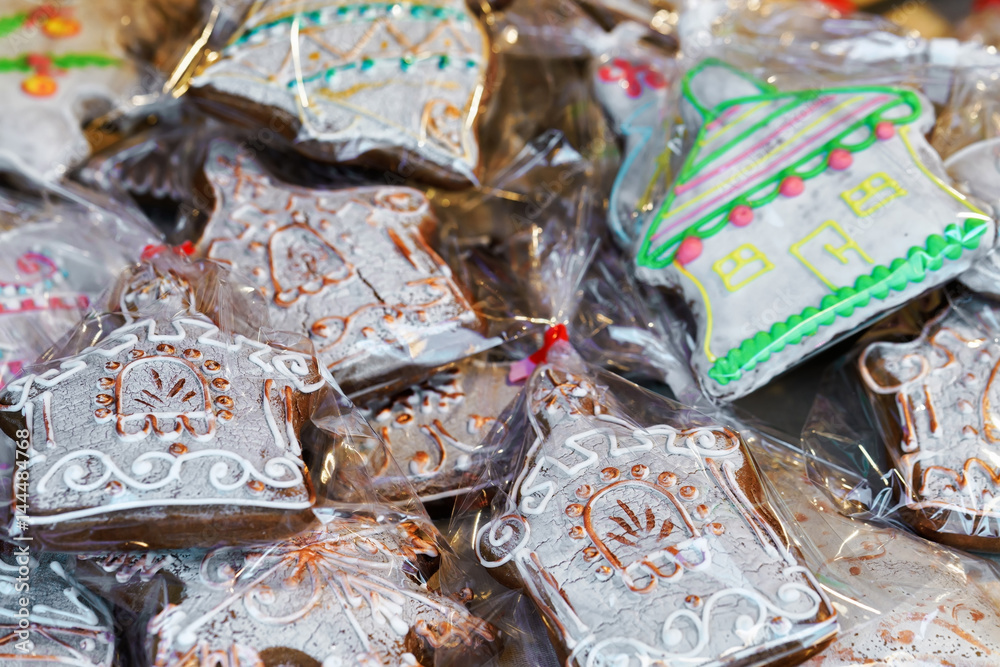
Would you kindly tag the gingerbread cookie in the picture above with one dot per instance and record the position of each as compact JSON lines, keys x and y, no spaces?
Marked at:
{"x":976,"y":171}
{"x":65,"y":624}
{"x":434,"y":429}
{"x":346,"y":593}
{"x":351,"y":268}
{"x":942,"y":423}
{"x":632,"y":84}
{"x":167,"y":432}
{"x":645,"y":543}
{"x":912,"y":600}
{"x":800,"y":216}
{"x":47,"y":283}
{"x":385,"y":84}
{"x":61,"y":65}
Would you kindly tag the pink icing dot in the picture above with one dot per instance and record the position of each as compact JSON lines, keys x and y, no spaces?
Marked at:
{"x":690,"y":250}
{"x":885,"y":130}
{"x":741,"y":216}
{"x":792,"y":186}
{"x":840,"y":159}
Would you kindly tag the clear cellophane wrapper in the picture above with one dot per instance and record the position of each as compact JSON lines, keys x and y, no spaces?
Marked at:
{"x":545,"y":29}
{"x":590,"y":527}
{"x":632,"y":75}
{"x":272,"y":540}
{"x":803,"y":40}
{"x":822,"y":52}
{"x":624,"y":326}
{"x":485,"y":255}
{"x":63,"y":247}
{"x":78,"y":74}
{"x":440,"y":56}
{"x":902,"y":428}
{"x":897,"y":596}
{"x":968,"y":136}
{"x":982,"y":25}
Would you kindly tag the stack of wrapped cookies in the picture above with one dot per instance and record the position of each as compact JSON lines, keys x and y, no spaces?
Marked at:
{"x":594,"y":333}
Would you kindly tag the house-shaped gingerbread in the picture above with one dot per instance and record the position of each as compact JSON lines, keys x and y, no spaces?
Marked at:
{"x":167,"y":432}
{"x":390,"y":84}
{"x":648,"y":543}
{"x":800,"y":216}
{"x":939,"y":400}
{"x":352,"y":591}
{"x":351,"y":268}
{"x":63,"y":624}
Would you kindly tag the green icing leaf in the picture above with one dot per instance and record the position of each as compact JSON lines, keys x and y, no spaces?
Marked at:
{"x":901,"y":272}
{"x":12,"y":23}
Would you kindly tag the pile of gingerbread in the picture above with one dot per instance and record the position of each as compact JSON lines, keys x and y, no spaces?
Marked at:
{"x":597,"y":333}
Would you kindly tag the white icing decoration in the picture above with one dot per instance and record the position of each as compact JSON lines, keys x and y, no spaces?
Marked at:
{"x":617,"y":519}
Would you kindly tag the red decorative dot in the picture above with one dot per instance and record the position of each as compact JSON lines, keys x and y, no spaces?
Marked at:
{"x":690,"y":250}
{"x":840,"y":159}
{"x":885,"y":130}
{"x":741,"y":216}
{"x":792,"y":186}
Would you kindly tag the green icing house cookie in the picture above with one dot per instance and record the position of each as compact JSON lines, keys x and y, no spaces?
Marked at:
{"x":800,"y":216}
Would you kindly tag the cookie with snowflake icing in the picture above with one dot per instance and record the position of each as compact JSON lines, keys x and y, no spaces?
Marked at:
{"x":63,"y":623}
{"x":386,"y":84}
{"x":799,"y":216}
{"x":435,"y":428}
{"x":350,"y":268}
{"x":346,"y":593}
{"x":648,"y":542}
{"x":166,"y":431}
{"x":941,"y":408}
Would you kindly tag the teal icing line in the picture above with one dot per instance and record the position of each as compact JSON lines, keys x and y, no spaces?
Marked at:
{"x":361,"y":10}
{"x":644,"y":133}
{"x":405,"y":63}
{"x":842,"y":303}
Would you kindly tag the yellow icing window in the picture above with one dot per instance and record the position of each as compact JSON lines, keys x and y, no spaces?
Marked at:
{"x":739,"y":267}
{"x":874,"y":193}
{"x":838,"y":250}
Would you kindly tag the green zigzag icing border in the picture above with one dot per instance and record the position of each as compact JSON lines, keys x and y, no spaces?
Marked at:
{"x":878,"y":284}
